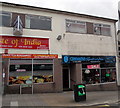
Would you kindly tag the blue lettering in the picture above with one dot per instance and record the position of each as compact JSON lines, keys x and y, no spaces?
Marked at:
{"x":85,"y":59}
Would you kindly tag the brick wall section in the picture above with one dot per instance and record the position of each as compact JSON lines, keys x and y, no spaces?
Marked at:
{"x":75,"y":74}
{"x":78,"y":73}
{"x":58,"y":79}
{"x":104,"y":87}
{"x":5,"y":67}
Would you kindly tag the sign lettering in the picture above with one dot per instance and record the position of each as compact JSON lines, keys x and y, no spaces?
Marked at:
{"x":47,"y":56}
{"x":24,"y":42}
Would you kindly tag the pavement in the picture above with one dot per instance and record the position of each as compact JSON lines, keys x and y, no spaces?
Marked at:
{"x":99,"y":98}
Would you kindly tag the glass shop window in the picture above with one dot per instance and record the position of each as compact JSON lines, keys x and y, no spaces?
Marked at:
{"x":38,"y":22}
{"x":20,"y":71}
{"x":74,"y":26}
{"x":91,"y":76}
{"x":28,"y":71}
{"x":42,"y":71}
{"x":5,"y":19}
{"x":105,"y":73}
{"x":108,"y":75}
{"x":101,"y":29}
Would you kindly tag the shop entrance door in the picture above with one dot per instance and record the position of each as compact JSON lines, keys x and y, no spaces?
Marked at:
{"x":66,"y":79}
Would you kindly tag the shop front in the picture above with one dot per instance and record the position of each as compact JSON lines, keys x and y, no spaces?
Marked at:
{"x":97,"y":72}
{"x":31,"y":73}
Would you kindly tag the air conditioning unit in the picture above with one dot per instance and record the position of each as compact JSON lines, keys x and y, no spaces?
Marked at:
{"x":18,"y":27}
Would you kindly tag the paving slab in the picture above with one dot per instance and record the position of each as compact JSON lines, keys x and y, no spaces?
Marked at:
{"x":60,"y":99}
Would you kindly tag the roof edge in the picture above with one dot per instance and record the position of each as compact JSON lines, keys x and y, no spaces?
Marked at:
{"x":58,"y":11}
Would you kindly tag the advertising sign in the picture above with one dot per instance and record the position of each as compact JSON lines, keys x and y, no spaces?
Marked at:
{"x":47,"y":56}
{"x":20,"y":80}
{"x":16,"y":42}
{"x":88,"y":59}
{"x":97,"y":66}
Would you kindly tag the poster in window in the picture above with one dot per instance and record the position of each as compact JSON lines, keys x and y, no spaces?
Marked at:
{"x":42,"y":78}
{"x":20,"y":80}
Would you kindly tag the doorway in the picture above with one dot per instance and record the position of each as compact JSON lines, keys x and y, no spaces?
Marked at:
{"x":66,"y":79}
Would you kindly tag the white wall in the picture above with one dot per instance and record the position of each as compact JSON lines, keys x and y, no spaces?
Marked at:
{"x":71,"y":43}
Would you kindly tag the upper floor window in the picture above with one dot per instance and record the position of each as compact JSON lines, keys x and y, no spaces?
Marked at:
{"x":38,"y":22}
{"x":101,"y":29}
{"x":75,"y":26}
{"x":5,"y":19}
{"x":118,"y":42}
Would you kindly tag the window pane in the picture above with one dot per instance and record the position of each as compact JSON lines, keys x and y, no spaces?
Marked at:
{"x":21,"y":61}
{"x":97,"y":29}
{"x":101,"y":29}
{"x":119,"y":48}
{"x":42,"y":73}
{"x":91,"y":77}
{"x":108,"y":75}
{"x":38,"y":22}
{"x":118,"y":42}
{"x":20,"y":71}
{"x":105,"y":31}
{"x":27,"y":22}
{"x":20,"y":74}
{"x":74,"y":26}
{"x":42,"y":61}
{"x":5,"y":19}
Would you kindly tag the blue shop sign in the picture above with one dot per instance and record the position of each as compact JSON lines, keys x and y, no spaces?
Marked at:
{"x":76,"y":59}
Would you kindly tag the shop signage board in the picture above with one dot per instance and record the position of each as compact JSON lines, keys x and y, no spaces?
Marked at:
{"x":87,"y":59}
{"x":97,"y":66}
{"x":16,"y":42}
{"x":47,"y":56}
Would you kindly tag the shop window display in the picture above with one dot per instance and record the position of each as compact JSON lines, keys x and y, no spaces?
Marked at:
{"x":108,"y":75}
{"x":92,"y":77}
{"x":42,"y":73}
{"x":101,"y":75}
{"x":20,"y":73}
{"x":20,"y":80}
{"x":32,"y":71}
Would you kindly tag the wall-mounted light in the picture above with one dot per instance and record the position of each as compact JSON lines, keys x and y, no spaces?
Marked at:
{"x":59,"y":37}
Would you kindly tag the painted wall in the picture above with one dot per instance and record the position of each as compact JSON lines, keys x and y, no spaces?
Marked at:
{"x":71,"y":43}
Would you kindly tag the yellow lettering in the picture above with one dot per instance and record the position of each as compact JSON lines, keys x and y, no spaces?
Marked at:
{"x":15,"y":42}
{"x":32,"y":42}
{"x":4,"y":41}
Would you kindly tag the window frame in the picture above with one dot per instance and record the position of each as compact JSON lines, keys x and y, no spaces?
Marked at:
{"x":101,"y":26}
{"x":32,"y":71}
{"x":75,"y":22}
{"x":37,"y":16}
{"x":10,"y":14}
{"x":100,"y":71}
{"x":44,"y":64}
